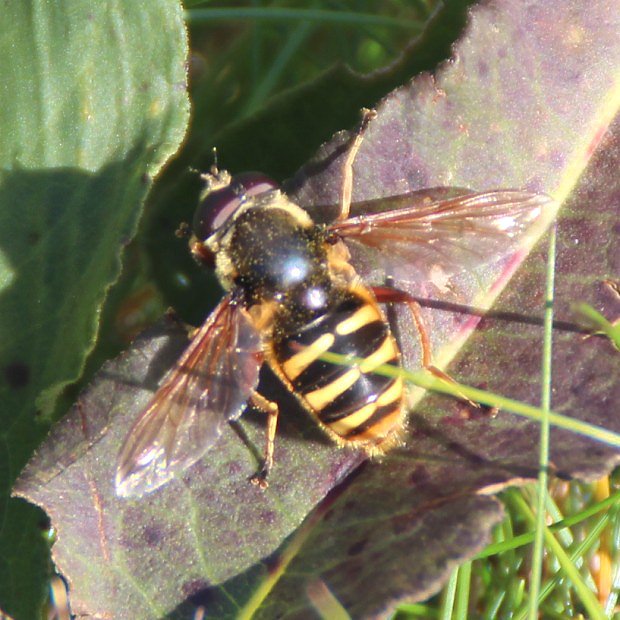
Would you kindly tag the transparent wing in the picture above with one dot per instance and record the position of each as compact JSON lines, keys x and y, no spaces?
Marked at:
{"x":451,"y":234}
{"x":208,"y":386}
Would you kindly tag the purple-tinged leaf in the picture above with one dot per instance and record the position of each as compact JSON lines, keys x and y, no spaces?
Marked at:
{"x":201,"y":529}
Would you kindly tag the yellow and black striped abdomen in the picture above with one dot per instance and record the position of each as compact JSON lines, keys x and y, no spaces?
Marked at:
{"x":353,"y":403}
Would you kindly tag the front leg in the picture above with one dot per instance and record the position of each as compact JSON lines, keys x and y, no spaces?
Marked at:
{"x":347,"y":182}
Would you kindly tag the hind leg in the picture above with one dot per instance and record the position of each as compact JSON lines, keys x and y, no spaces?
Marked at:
{"x":386,"y":295}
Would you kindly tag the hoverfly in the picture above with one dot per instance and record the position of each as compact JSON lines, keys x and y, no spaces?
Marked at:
{"x":293,"y":295}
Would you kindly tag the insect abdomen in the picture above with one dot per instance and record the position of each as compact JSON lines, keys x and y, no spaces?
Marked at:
{"x":354,"y":404}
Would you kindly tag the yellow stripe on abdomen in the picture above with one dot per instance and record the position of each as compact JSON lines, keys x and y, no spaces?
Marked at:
{"x":296,"y":364}
{"x":318,"y":399}
{"x":352,"y":401}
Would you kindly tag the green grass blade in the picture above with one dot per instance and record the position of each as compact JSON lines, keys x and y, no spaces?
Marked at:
{"x":449,"y":596}
{"x":526,"y":539}
{"x":537,"y":552}
{"x":463,"y":589}
{"x":585,"y":594}
{"x":427,"y":381}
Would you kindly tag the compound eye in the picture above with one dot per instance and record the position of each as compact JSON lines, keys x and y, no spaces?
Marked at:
{"x":214,"y":210}
{"x":218,"y":206}
{"x":253,"y":183}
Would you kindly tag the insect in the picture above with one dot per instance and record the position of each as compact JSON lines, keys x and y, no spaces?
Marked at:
{"x":293,"y":295}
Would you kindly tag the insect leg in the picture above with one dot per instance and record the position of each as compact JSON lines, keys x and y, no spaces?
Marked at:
{"x":272,"y":410}
{"x":347,"y":181}
{"x":385,"y":295}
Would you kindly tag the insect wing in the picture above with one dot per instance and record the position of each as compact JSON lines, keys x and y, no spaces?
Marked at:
{"x":208,"y":387}
{"x":454,"y":234}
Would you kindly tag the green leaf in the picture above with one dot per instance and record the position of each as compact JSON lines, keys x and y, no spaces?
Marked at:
{"x":93,"y":102}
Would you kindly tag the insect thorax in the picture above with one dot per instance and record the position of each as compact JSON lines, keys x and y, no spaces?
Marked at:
{"x":276,"y":257}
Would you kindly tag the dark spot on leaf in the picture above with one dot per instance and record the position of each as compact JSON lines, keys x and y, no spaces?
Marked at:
{"x":582,"y":386}
{"x":328,"y":515}
{"x":269,"y":517}
{"x":459,"y":449}
{"x":234,"y":468}
{"x":419,"y":476}
{"x":402,"y":523}
{"x":34,"y":236}
{"x":152,"y":535}
{"x":17,"y":374}
{"x":483,"y":68}
{"x":191,"y":588}
{"x":357,"y":548}
{"x":350,"y":505}
{"x":146,"y":178}
{"x":596,"y":452}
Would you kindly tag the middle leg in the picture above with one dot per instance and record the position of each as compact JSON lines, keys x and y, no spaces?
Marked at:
{"x":273,"y":411}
